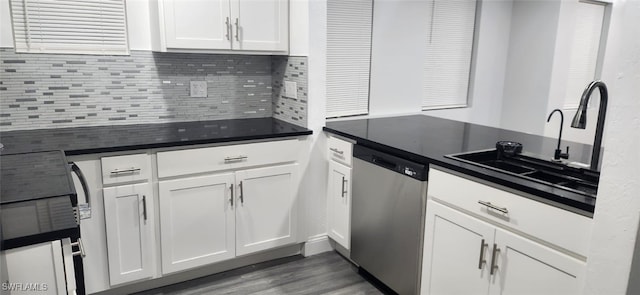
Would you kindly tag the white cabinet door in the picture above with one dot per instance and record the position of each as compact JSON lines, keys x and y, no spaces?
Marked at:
{"x":526,"y":267}
{"x":33,"y":269}
{"x":265,"y":212}
{"x":457,"y":252}
{"x":128,"y":213}
{"x":260,"y":25}
{"x":197,"y":225}
{"x":339,"y":198}
{"x":197,"y":24}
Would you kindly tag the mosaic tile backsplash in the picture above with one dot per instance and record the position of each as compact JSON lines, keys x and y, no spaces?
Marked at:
{"x":60,"y":90}
{"x":290,"y":68}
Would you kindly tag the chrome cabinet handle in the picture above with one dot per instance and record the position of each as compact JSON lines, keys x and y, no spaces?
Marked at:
{"x":492,"y":206}
{"x":237,"y":29}
{"x":144,"y":207}
{"x":231,"y":189}
{"x":335,"y":150}
{"x":344,"y":184}
{"x":494,"y":257}
{"x":80,"y":248}
{"x":235,"y":159}
{"x":130,"y":170}
{"x":482,"y":261}
{"x":241,"y":193}
{"x":227,"y":24}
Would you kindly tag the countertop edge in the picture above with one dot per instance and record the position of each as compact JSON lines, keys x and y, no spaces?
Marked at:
{"x":77,"y":152}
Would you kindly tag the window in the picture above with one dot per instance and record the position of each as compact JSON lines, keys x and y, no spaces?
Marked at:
{"x":448,"y":53}
{"x":585,"y":50}
{"x":348,"y":56}
{"x":70,"y":26}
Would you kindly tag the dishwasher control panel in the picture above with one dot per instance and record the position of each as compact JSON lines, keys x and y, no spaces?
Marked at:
{"x":391,"y":162}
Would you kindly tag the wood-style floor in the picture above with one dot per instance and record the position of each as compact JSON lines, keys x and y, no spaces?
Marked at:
{"x":326,"y":273}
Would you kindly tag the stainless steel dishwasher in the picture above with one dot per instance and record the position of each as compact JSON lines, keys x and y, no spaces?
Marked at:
{"x":387,"y":218}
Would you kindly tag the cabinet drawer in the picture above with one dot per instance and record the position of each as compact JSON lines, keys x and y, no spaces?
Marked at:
{"x":340,"y":150}
{"x":542,"y":221}
{"x":129,"y":168}
{"x":182,"y":162}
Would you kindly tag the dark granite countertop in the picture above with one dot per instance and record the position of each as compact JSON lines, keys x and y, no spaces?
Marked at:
{"x":428,"y":139}
{"x":98,"y":139}
{"x":37,"y":193}
{"x":36,"y":196}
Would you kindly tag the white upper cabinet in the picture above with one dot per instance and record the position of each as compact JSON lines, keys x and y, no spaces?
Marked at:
{"x":260,"y":25}
{"x":197,"y":24}
{"x":223,"y":25}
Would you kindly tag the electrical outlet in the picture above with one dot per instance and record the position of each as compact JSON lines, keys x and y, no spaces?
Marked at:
{"x":290,"y":89}
{"x":198,"y":88}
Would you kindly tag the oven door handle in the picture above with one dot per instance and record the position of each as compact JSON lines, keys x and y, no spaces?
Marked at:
{"x":85,"y":188}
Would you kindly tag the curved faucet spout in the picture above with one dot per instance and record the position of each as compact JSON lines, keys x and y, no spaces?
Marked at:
{"x":580,"y":119}
{"x":558,"y":153}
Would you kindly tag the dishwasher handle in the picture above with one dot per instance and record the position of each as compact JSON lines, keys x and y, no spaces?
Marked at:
{"x":383,"y":162}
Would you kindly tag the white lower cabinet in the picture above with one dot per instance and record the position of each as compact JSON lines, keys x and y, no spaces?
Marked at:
{"x":526,"y":267}
{"x":197,"y":221}
{"x":128,"y":213}
{"x":44,"y":268}
{"x":339,"y":198}
{"x":266,"y":211}
{"x":464,"y":255}
{"x":207,"y":219}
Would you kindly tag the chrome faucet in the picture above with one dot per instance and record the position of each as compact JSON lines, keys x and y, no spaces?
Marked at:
{"x":580,"y":119}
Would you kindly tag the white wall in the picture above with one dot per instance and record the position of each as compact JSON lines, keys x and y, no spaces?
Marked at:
{"x":6,"y":33}
{"x":299,"y":27}
{"x":618,"y":206}
{"x":531,"y":55}
{"x":314,"y":183}
{"x":397,"y":57}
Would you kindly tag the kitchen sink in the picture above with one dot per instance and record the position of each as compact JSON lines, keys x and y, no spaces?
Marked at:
{"x":532,"y":167}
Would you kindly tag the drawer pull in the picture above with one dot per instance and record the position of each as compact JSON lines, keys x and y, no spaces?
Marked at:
{"x":125,"y":171}
{"x":492,"y":206}
{"x":235,"y":159}
{"x":80,"y":247}
{"x":494,"y":257}
{"x":335,"y":150}
{"x":482,"y":261}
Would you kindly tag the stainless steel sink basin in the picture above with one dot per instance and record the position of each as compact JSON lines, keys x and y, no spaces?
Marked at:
{"x":529,"y":166}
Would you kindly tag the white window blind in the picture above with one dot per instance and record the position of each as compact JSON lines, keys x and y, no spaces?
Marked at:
{"x":70,"y":26}
{"x":348,"y":56}
{"x":584,"y":50}
{"x":448,"y":53}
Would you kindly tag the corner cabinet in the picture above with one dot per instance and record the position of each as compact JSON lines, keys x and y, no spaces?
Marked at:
{"x":222,"y":25}
{"x":469,"y":253}
{"x":339,"y":191}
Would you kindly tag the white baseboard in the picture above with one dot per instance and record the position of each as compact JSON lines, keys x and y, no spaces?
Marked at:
{"x":316,"y":245}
